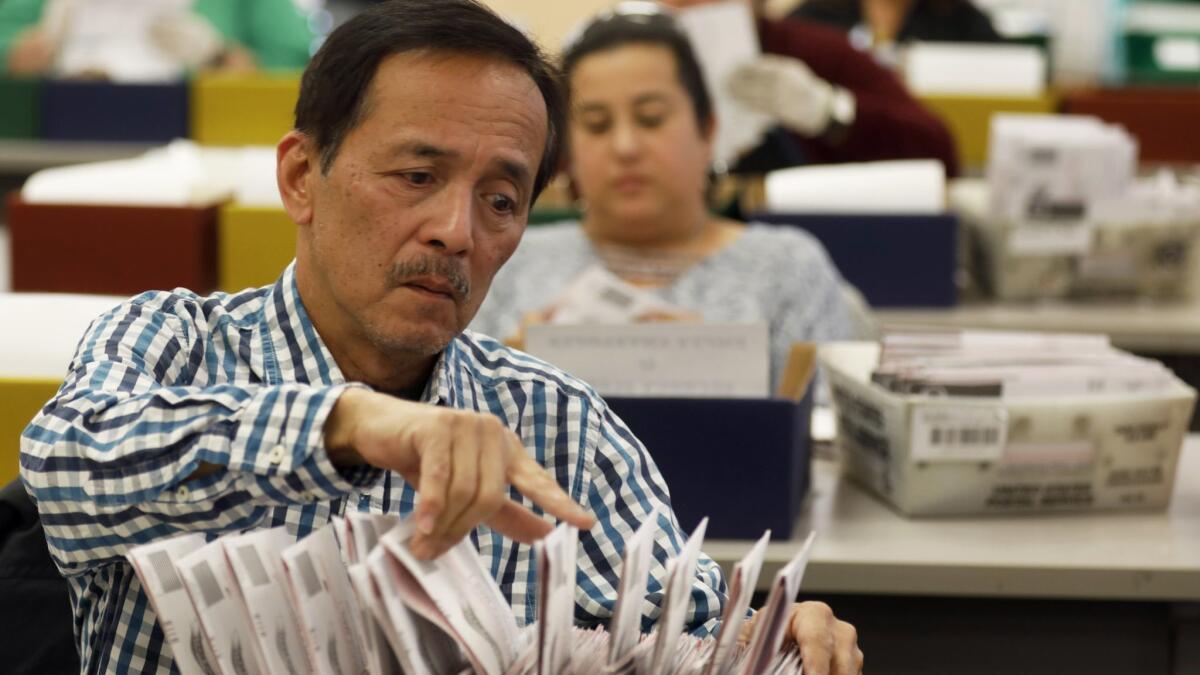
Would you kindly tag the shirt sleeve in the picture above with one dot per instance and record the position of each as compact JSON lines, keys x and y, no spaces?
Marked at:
{"x":888,"y":123}
{"x":624,"y":487}
{"x":109,"y":458}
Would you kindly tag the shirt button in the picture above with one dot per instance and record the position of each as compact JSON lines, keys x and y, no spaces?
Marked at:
{"x":182,"y":492}
{"x":277,"y":454}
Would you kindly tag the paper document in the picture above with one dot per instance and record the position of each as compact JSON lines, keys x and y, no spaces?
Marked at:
{"x":599,"y":296}
{"x":209,"y":582}
{"x":333,"y":648}
{"x":258,"y":570}
{"x":723,"y":38}
{"x":910,"y":186}
{"x":556,"y":556}
{"x":261,"y":602}
{"x":112,"y":38}
{"x":626,"y":624}
{"x":660,"y":359}
{"x":771,"y":624}
{"x":155,"y":566}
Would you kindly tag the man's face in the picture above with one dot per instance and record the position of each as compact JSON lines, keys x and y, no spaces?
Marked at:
{"x":426,"y":198}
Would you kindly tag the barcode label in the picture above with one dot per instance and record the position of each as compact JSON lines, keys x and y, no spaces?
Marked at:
{"x":210,"y":590}
{"x":968,"y":436}
{"x":164,"y":570}
{"x":254,"y":566}
{"x":308,"y":574}
{"x":942,"y":433}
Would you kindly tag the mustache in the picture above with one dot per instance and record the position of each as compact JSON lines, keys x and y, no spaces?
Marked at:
{"x":431,"y":266}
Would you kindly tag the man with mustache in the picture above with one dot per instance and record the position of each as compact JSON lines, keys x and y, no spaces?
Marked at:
{"x":424,"y":131}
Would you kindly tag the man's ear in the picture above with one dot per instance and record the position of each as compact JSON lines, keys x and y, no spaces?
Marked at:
{"x":296,"y":167}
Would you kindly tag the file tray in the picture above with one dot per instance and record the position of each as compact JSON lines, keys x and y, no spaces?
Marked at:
{"x":1024,"y":261}
{"x":120,"y":250}
{"x":969,"y":118}
{"x":102,"y":111}
{"x":40,"y":335}
{"x":254,"y":243}
{"x":945,"y":456}
{"x":744,"y":463}
{"x":895,"y":260}
{"x":243,"y":109}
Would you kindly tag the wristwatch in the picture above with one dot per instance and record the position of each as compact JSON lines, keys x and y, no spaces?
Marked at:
{"x":842,"y":109}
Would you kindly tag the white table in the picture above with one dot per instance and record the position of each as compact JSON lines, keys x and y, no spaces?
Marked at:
{"x":864,"y":547}
{"x":1136,"y":326}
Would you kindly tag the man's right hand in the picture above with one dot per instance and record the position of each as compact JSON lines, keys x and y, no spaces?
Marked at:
{"x":460,"y":461}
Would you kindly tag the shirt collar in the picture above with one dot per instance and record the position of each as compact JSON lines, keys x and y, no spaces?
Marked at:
{"x":296,"y":353}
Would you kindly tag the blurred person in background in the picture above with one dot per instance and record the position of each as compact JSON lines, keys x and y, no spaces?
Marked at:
{"x":834,"y":103}
{"x":880,"y":25}
{"x":640,"y":143}
{"x":231,"y":35}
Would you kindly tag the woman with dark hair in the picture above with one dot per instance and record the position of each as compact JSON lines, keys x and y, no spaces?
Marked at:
{"x":640,"y":144}
{"x":874,"y":23}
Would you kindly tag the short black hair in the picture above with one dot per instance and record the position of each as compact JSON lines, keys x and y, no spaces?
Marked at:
{"x":334,"y":87}
{"x":611,"y":30}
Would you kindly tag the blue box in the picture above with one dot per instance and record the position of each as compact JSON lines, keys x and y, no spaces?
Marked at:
{"x":895,"y":260}
{"x":102,"y":111}
{"x":744,"y":463}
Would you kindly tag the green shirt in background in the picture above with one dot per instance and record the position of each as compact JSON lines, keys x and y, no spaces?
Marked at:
{"x":274,"y":30}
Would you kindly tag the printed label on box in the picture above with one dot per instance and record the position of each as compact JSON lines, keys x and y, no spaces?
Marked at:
{"x":661,"y":359}
{"x":1068,"y":238}
{"x":942,"y":433}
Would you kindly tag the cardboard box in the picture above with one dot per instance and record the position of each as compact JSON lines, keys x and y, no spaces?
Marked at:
{"x":120,"y":250}
{"x":743,"y":462}
{"x":20,"y":399}
{"x":896,"y":261}
{"x":40,"y":334}
{"x":1138,"y":259}
{"x":254,"y":244}
{"x":81,"y":110}
{"x":243,"y":109}
{"x":1056,"y":454}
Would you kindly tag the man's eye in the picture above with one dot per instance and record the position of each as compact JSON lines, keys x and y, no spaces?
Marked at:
{"x":418,"y":177}
{"x":502,"y":203}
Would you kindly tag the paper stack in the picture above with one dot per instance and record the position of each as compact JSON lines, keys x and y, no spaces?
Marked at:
{"x":1012,"y":365}
{"x":351,"y":598}
{"x":1062,"y":214}
{"x":1056,"y":167}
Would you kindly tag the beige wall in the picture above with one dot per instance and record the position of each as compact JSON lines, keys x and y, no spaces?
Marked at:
{"x":548,"y":20}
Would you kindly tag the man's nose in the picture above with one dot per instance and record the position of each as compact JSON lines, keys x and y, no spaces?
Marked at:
{"x":451,"y":229}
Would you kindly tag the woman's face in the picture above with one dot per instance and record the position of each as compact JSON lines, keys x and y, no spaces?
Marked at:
{"x":638,"y":155}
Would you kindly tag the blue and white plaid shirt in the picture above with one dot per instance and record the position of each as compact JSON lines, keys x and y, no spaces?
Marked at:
{"x":169,"y":380}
